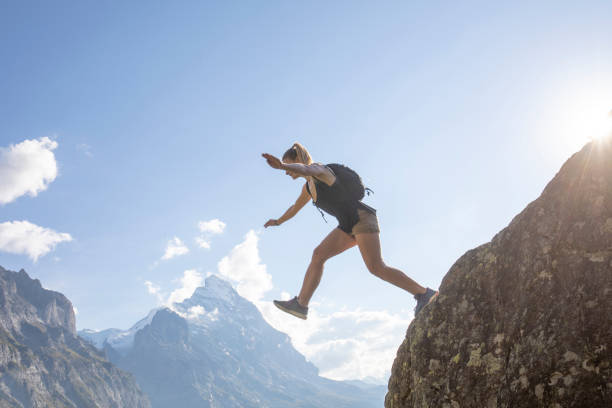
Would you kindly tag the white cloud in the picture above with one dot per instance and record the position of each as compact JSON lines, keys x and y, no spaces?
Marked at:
{"x":23,"y":237}
{"x":347,"y":344}
{"x":152,"y":288}
{"x":208,"y":228}
{"x":175,"y":247}
{"x":155,"y":290}
{"x":26,"y":168}
{"x":244,"y":267}
{"x":214,"y":226}
{"x":344,"y":344}
{"x":203,"y":242}
{"x":190,"y":281}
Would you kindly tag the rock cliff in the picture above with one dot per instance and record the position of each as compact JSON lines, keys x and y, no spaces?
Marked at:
{"x":42,"y":361}
{"x":526,"y":319}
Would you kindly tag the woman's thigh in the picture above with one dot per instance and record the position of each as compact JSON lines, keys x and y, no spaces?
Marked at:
{"x":369,"y":246}
{"x":336,"y":242}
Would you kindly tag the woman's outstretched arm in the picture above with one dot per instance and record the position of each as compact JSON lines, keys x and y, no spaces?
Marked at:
{"x":313,"y":170}
{"x":299,"y":204}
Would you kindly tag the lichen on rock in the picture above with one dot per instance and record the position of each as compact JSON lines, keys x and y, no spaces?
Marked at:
{"x":524,"y":320}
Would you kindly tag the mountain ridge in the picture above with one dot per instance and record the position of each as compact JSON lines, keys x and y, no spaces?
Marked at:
{"x":238,"y":358}
{"x":43,"y":362}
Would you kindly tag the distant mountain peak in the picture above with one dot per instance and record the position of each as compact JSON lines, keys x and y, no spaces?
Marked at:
{"x":44,"y":363}
{"x":32,"y":304}
{"x":217,"y":288}
{"x":120,"y":340}
{"x":219,"y":342}
{"x":214,"y":281}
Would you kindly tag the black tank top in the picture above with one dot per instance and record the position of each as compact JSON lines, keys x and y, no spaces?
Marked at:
{"x":336,"y":202}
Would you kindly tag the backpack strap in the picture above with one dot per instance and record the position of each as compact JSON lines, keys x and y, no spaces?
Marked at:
{"x":322,"y":215}
{"x":315,"y":204}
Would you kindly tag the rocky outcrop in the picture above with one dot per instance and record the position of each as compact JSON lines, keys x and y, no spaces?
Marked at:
{"x":526,"y":319}
{"x":42,"y":361}
{"x":23,"y":300}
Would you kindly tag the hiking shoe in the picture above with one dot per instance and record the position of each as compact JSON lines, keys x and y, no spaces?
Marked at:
{"x":292,"y":307}
{"x":423,"y":299}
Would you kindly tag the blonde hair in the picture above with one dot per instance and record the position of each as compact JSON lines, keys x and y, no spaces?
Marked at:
{"x":298,"y":153}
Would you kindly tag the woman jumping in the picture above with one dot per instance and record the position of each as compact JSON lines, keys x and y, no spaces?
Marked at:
{"x":333,"y":191}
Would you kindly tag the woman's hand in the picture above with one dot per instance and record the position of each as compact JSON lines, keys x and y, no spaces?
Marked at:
{"x":274,"y":162}
{"x":271,"y":223}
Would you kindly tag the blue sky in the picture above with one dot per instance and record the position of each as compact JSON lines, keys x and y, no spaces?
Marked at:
{"x":156,"y":113}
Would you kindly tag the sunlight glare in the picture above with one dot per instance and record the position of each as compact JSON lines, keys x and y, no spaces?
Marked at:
{"x":593,"y":122}
{"x":583,"y":115}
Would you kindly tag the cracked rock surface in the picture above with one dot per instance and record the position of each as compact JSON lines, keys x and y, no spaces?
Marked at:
{"x":526,"y":319}
{"x":43,"y":363}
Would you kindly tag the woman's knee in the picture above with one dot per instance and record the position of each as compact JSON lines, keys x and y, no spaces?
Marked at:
{"x":319,"y":255}
{"x":376,"y":268}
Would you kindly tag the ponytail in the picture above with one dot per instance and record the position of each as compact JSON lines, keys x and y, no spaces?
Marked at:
{"x":298,"y":153}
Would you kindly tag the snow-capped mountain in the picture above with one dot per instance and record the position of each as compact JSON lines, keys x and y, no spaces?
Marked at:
{"x":216,"y":350}
{"x":120,"y":340}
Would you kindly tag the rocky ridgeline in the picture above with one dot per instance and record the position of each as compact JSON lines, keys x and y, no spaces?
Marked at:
{"x":216,"y":350}
{"x":42,"y":361}
{"x":526,"y":319}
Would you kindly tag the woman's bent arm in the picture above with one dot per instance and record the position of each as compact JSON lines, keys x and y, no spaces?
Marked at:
{"x":299,"y":204}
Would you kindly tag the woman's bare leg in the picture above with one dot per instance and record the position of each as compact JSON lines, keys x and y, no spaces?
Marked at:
{"x":336,"y":242}
{"x":369,"y":246}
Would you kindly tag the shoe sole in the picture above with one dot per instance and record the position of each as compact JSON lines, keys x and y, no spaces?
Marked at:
{"x":291,"y":312}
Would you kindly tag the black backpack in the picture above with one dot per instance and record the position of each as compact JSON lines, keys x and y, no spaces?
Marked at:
{"x":349,"y":180}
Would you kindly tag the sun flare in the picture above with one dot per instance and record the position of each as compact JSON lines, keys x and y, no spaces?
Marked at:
{"x":583,"y":115}
{"x":592,"y":122}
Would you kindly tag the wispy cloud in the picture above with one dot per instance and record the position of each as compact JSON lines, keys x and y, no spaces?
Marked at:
{"x":208,"y":229}
{"x":203,"y":242}
{"x":152,"y":288}
{"x":175,"y":247}
{"x":347,"y":344}
{"x":85,"y":148}
{"x":214,"y":226}
{"x":155,"y":290}
{"x":23,"y":237}
{"x":26,"y":168}
{"x":343,"y":344}
{"x":243,"y":266}
{"x":191,"y":280}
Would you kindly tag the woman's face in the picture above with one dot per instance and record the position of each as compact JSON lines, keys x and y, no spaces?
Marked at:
{"x":289,"y":172}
